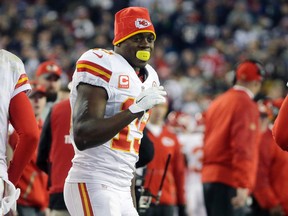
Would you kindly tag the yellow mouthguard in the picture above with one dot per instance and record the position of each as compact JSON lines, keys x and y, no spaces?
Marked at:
{"x":143,"y":55}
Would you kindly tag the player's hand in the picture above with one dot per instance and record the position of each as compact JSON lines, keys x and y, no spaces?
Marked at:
{"x":241,"y":197}
{"x":148,"y":99}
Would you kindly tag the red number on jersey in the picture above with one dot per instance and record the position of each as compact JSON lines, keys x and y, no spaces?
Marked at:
{"x":121,"y":142}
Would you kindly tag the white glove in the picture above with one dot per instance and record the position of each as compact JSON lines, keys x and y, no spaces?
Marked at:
{"x":148,"y":99}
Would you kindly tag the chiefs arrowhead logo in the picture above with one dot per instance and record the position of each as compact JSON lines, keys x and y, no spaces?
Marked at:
{"x":123,"y":81}
{"x":142,"y":23}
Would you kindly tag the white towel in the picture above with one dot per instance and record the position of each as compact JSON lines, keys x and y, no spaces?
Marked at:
{"x":11,"y":195}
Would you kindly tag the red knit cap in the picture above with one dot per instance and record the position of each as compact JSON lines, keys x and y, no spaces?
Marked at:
{"x":248,"y":71}
{"x":130,"y":21}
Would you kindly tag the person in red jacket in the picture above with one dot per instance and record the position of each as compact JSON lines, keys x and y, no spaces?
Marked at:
{"x":55,"y":154}
{"x":231,"y":143}
{"x":271,"y":188}
{"x":165,"y":142}
{"x":280,"y":129}
{"x":33,"y":200}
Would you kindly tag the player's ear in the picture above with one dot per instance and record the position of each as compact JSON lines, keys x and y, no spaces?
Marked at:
{"x":118,"y":45}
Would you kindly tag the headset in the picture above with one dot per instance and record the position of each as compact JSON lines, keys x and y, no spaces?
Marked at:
{"x":261,"y":71}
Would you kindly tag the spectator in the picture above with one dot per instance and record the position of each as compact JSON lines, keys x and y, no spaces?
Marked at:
{"x":48,"y":74}
{"x":16,"y":108}
{"x":271,"y":188}
{"x":55,"y":154}
{"x":231,"y":143}
{"x":111,"y":91}
{"x":165,"y":143}
{"x":33,"y":200}
{"x":82,"y":25}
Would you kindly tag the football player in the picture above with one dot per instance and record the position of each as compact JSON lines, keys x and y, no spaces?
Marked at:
{"x":16,"y":108}
{"x":111,"y":92}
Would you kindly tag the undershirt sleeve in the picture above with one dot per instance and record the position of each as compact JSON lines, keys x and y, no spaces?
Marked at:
{"x":23,"y":120}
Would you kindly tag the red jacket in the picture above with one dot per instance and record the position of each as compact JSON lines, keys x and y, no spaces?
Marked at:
{"x":173,"y":187}
{"x":231,"y":140}
{"x":280,"y":129}
{"x":271,"y":187}
{"x":55,"y":150}
{"x":33,"y":182}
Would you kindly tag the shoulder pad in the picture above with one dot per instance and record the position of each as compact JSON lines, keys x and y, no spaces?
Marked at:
{"x":98,"y":56}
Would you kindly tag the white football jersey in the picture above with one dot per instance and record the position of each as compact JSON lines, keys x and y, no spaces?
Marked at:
{"x":192,"y":147}
{"x":113,"y":162}
{"x":13,"y":80}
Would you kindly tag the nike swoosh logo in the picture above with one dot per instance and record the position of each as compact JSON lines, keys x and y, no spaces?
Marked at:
{"x":99,"y":56}
{"x":140,"y":99}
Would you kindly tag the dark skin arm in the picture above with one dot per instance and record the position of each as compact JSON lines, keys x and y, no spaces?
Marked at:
{"x":90,"y":128}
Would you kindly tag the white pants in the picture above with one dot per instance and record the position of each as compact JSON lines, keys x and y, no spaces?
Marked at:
{"x":84,"y":199}
{"x":195,"y":200}
{"x":54,"y":212}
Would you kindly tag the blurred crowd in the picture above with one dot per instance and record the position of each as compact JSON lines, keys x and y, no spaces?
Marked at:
{"x":198,"y":42}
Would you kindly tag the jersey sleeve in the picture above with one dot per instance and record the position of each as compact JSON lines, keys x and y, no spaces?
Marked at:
{"x":22,"y":85}
{"x":16,"y":67}
{"x":94,"y":68}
